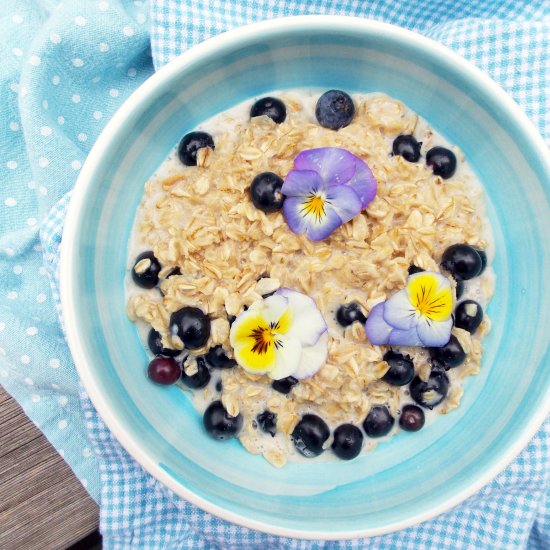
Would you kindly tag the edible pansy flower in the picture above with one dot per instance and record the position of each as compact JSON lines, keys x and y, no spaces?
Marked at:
{"x":326,"y":188}
{"x":418,"y":315}
{"x":282,"y":335}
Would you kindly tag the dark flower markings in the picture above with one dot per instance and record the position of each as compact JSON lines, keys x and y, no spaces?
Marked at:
{"x":264,"y":337}
{"x":432,"y":306}
{"x":315,"y":205}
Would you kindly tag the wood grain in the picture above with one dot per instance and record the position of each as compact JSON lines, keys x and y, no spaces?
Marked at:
{"x":42,"y":504}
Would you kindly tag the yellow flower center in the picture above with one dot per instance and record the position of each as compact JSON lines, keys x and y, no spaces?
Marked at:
{"x":315,"y":206}
{"x":264,"y":337}
{"x":428,"y":300}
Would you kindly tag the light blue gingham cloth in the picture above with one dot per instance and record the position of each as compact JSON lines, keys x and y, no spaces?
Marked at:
{"x":67,"y":67}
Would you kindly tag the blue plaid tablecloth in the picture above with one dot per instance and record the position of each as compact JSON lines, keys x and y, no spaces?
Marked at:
{"x":66,"y":68}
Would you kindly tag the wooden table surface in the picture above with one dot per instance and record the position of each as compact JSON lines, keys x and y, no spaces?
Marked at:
{"x":42,"y":504}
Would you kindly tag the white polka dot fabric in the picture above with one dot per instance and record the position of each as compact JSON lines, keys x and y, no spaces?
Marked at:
{"x":67,"y":67}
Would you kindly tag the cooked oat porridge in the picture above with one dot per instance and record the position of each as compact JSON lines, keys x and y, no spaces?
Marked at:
{"x":312,"y":268}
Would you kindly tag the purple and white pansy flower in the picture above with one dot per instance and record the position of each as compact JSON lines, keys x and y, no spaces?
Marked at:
{"x":418,"y":315}
{"x":326,"y":188}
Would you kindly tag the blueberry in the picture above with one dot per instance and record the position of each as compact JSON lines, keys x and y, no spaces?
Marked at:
{"x":349,"y":313}
{"x":378,"y":422}
{"x":483,"y":256}
{"x":145,"y":272}
{"x":334,"y":109}
{"x":348,"y":441}
{"x":462,"y":261}
{"x":164,"y":370}
{"x":412,"y":418}
{"x":431,"y":393}
{"x":219,"y":423}
{"x":231,"y":319}
{"x":219,"y":386}
{"x":267,"y":422}
{"x":459,"y":290}
{"x":199,"y":379}
{"x":191,"y":325}
{"x":190,"y":144}
{"x":401,"y":370}
{"x":450,"y":355}
{"x":468,"y":315}
{"x":442,"y":162}
{"x":310,"y":434}
{"x":407,"y":147}
{"x":265,"y":192}
{"x":217,"y":358}
{"x":414,"y":269}
{"x":270,"y":106}
{"x":284,"y":385}
{"x":154,"y":341}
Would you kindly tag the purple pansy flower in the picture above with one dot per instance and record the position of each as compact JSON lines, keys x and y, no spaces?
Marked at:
{"x":326,"y":188}
{"x":418,"y":315}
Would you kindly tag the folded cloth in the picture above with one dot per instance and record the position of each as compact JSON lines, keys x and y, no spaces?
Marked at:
{"x":67,"y":68}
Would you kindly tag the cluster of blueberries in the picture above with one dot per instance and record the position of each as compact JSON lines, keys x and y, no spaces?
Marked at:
{"x":441,"y":160}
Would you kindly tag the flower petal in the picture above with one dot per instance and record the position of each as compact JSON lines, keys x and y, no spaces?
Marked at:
{"x":316,"y":228}
{"x":431,"y":295}
{"x":440,"y":280}
{"x":363,"y":182}
{"x":399,"y":312}
{"x":287,"y":357}
{"x":260,"y":315}
{"x":299,"y":183}
{"x":313,"y":358}
{"x":434,"y":334}
{"x":307,"y":322}
{"x":378,"y":331}
{"x":334,"y":165}
{"x":404,"y":337}
{"x":321,"y":229}
{"x":253,"y":362}
{"x":344,"y":201}
{"x":243,"y":325}
{"x":275,"y":309}
{"x":292,"y":209}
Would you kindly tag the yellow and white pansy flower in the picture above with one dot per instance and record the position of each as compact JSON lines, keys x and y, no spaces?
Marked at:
{"x":418,"y":315}
{"x":282,"y":335}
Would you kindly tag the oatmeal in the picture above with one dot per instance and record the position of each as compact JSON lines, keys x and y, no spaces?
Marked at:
{"x":224,"y":250}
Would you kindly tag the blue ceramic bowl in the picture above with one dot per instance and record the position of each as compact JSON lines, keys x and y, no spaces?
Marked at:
{"x":414,"y":476}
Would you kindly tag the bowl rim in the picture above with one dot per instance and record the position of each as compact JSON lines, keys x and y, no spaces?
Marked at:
{"x":124,"y":115}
